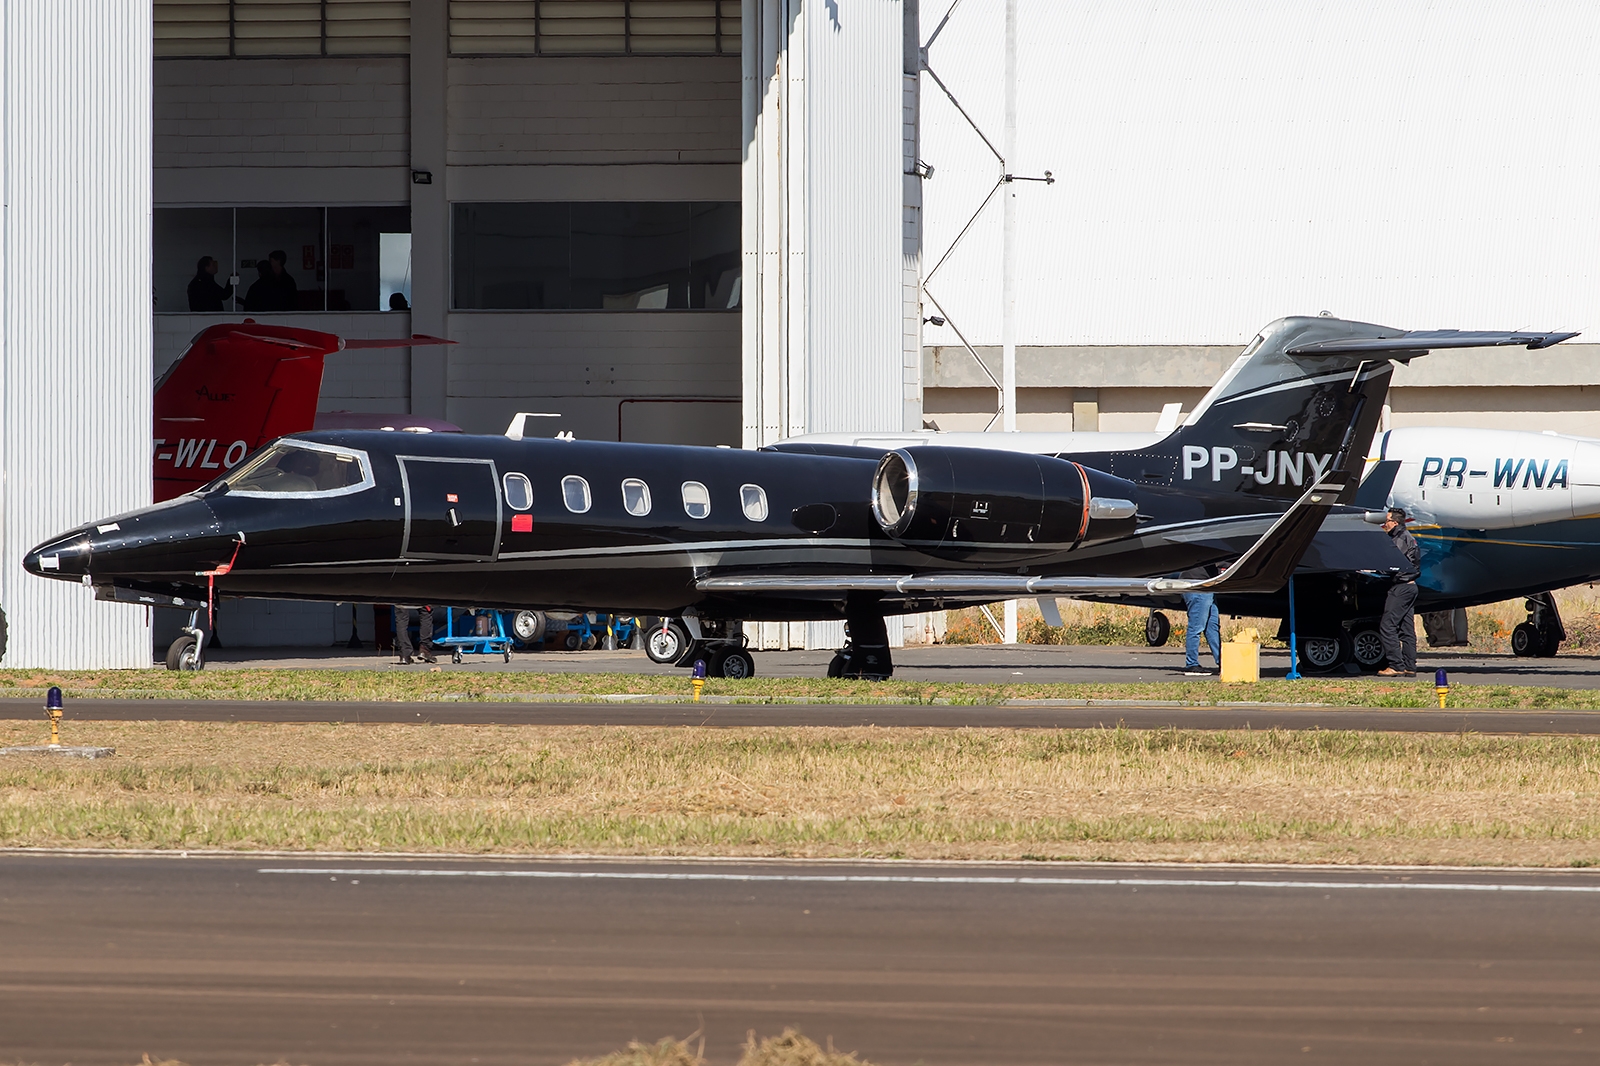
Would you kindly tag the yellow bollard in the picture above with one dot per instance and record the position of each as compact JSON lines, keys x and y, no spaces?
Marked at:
{"x":1241,"y":659}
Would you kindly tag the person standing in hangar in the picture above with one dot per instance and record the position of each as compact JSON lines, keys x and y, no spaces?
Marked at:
{"x":204,"y":292}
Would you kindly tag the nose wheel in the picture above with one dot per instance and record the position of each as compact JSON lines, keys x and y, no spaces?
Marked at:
{"x":184,"y":654}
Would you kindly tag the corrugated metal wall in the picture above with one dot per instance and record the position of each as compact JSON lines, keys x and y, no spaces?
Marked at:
{"x":853,"y":207}
{"x":75,"y":316}
{"x":1224,"y":162}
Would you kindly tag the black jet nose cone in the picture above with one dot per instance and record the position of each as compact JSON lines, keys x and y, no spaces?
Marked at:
{"x":64,"y":557}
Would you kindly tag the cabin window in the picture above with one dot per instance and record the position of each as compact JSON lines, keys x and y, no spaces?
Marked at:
{"x":519,"y":492}
{"x":298,"y":469}
{"x":636,"y":497}
{"x":696,"y":500}
{"x":575,"y":494}
{"x":753,"y":498}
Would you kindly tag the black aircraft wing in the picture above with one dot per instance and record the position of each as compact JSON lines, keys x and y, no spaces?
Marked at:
{"x":1264,"y":567}
{"x":1419,"y":341}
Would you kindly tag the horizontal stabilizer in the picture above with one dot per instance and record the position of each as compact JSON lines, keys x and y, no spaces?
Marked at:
{"x":416,"y":340}
{"x":1422,"y":340}
{"x":1373,"y":495}
{"x":1264,"y":567}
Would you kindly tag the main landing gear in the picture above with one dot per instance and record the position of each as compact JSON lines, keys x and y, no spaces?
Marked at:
{"x":720,"y":646}
{"x":1541,"y":635}
{"x":866,"y":650}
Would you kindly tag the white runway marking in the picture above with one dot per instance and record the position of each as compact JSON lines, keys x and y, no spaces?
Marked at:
{"x":930,"y":879}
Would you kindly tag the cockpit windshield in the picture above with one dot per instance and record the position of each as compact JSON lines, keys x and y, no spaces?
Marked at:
{"x":298,"y":468}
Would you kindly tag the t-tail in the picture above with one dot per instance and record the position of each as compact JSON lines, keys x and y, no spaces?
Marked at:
{"x":238,"y":386}
{"x":1299,"y":405}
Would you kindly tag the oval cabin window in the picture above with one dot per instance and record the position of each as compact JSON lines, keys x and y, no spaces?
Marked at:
{"x":575,"y":493}
{"x":696,"y":500}
{"x":519,"y":492}
{"x":753,"y":498}
{"x":636,"y":497}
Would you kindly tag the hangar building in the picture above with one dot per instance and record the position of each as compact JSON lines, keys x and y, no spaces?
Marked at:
{"x":707,"y":221}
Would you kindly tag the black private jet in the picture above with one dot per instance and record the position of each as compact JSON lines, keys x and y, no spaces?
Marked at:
{"x":793,"y":532}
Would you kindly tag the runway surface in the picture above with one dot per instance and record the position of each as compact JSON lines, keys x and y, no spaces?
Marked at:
{"x":339,"y":962}
{"x":732,"y":715}
{"x":981,"y":664}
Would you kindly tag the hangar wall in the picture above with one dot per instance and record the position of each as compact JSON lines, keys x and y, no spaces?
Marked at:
{"x":321,"y":130}
{"x":831,"y":238}
{"x":75,"y":313}
{"x":1220,"y":164}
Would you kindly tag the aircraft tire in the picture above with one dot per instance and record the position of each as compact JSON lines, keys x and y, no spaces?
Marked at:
{"x":1526,"y":640}
{"x":183,"y":654}
{"x":1157,"y":628}
{"x":1366,"y":648}
{"x":1323,"y":654}
{"x":836,"y":664}
{"x":667,"y":648}
{"x":736,"y":664}
{"x":528,"y":626}
{"x":1549,"y":644}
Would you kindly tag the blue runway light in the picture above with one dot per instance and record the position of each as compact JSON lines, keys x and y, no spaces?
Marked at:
{"x":1441,"y":679}
{"x":52,"y":699}
{"x":699,"y":669}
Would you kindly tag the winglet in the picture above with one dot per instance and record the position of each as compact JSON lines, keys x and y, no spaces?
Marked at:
{"x":1266,"y":566}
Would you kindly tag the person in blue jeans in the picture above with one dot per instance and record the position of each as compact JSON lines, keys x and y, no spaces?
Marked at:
{"x":1203,"y":615}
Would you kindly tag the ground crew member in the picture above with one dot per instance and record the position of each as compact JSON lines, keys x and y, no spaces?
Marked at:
{"x":1398,"y":629}
{"x":402,"y":633}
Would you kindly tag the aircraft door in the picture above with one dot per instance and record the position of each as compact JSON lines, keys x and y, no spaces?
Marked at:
{"x":452,"y":508}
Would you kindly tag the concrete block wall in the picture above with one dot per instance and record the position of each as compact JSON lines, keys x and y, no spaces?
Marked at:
{"x":582,"y":365}
{"x":1123,"y":387}
{"x":594,"y":110}
{"x":322,"y":112}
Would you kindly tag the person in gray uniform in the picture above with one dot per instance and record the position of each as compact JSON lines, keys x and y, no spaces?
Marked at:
{"x":1398,"y":630}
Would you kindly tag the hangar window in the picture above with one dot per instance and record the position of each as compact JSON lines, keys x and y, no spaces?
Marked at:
{"x":334,"y":259}
{"x":575,"y":494}
{"x":594,"y":27}
{"x":282,"y":27}
{"x":299,"y":469}
{"x":753,"y":498}
{"x":636,"y":497}
{"x":519,"y":492}
{"x":596,"y":256}
{"x":696,"y":500}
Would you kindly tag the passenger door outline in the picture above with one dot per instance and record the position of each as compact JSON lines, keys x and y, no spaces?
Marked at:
{"x":493,"y":486}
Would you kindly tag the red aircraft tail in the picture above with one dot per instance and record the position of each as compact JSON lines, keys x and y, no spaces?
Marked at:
{"x":237,"y":387}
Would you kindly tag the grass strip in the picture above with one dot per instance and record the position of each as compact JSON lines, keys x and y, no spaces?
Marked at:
{"x":1175,"y":795}
{"x":396,"y":685}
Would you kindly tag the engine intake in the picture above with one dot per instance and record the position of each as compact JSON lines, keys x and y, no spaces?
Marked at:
{"x":966,"y":498}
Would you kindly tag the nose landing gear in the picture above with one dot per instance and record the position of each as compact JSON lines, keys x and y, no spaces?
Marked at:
{"x":866,"y":653}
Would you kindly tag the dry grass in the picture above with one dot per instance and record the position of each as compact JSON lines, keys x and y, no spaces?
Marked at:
{"x":790,"y":1049}
{"x":814,"y":792}
{"x":1489,"y":626}
{"x":1340,"y":691}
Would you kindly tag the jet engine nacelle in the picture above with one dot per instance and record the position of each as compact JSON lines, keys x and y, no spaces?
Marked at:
{"x":963,"y":499}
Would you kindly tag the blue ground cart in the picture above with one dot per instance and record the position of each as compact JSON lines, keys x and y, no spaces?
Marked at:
{"x":470,"y":631}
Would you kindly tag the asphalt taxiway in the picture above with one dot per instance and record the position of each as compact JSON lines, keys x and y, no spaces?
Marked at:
{"x":347,"y":962}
